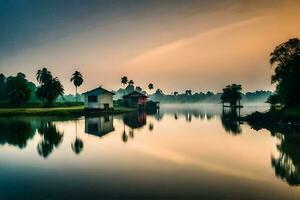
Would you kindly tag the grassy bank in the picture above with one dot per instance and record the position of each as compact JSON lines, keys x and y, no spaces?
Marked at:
{"x":55,"y":111}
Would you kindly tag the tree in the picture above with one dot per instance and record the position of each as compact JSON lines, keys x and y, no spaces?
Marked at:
{"x":273,"y":99}
{"x":286,"y":60}
{"x":150,"y":86}
{"x":175,"y":93}
{"x":124,"y":80}
{"x":2,"y":87}
{"x":232,"y":94}
{"x":17,"y":89}
{"x":77,"y":80}
{"x":188,"y":92}
{"x":131,"y":82}
{"x":139,"y":89}
{"x":43,"y":75}
{"x":50,"y":88}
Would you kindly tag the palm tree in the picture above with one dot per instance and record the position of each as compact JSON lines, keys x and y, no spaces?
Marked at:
{"x":50,"y":88}
{"x":150,"y":86}
{"x":43,"y":75}
{"x":77,"y":79}
{"x":131,"y":82}
{"x":124,"y":80}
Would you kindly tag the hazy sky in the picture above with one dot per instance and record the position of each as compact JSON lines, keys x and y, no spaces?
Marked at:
{"x":175,"y":44}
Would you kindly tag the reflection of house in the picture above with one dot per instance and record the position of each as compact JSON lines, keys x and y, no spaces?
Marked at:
{"x":135,"y":99}
{"x":99,"y":126}
{"x":135,"y":119}
{"x":98,"y":98}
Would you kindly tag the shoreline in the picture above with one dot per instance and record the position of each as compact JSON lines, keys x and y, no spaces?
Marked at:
{"x":58,"y":111}
{"x":275,"y":121}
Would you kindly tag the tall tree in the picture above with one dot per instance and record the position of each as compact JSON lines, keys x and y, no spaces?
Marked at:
{"x":77,"y":80}
{"x":286,"y":60}
{"x":50,"y":88}
{"x":17,"y":89}
{"x":2,"y":87}
{"x":232,"y":94}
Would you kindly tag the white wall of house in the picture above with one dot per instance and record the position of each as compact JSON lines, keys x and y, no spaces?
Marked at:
{"x":104,"y":98}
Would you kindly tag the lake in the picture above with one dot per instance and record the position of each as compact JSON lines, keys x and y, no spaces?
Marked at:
{"x":180,"y":152}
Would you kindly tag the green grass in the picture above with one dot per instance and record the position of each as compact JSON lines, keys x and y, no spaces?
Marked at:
{"x":55,"y":111}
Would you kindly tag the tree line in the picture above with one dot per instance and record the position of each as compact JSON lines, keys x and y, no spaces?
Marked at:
{"x":17,"y":90}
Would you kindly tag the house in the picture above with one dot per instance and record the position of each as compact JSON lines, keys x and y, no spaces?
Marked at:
{"x":135,"y":99}
{"x":99,"y":126}
{"x":98,"y":99}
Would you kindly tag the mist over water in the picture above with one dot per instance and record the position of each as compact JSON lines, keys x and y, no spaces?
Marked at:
{"x":181,"y":152}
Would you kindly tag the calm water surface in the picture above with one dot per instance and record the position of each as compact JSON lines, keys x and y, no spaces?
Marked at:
{"x":181,"y":152}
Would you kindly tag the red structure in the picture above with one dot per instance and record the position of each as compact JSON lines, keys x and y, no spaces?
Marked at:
{"x":135,"y":99}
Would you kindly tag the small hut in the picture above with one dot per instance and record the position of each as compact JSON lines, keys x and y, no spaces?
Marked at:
{"x":98,"y":99}
{"x":135,"y":99}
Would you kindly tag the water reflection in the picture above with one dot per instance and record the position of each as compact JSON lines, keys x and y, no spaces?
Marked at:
{"x":77,"y":145}
{"x":51,"y":138}
{"x":230,"y":121}
{"x":286,"y":163}
{"x":16,"y":132}
{"x":99,"y":126}
{"x":49,"y":134}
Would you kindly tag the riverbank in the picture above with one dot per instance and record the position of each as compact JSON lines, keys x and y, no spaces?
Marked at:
{"x":276,"y":120}
{"x":56,"y":111}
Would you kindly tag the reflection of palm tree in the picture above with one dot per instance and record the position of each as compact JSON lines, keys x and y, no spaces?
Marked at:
{"x":287,"y":164}
{"x":151,"y":126}
{"x":124,"y":136}
{"x":52,"y":137}
{"x":77,"y":146}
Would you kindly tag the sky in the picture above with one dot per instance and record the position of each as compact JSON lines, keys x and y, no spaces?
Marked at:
{"x":175,"y":44}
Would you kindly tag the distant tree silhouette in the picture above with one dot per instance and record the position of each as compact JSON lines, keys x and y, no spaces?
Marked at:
{"x":17,"y":89}
{"x":232,"y":94}
{"x":131,"y":82}
{"x":188,"y":92}
{"x":77,"y":80}
{"x":150,"y":86}
{"x":2,"y":87}
{"x":139,"y":89}
{"x":124,"y":81}
{"x":286,"y":60}
{"x":273,"y":100}
{"x":50,"y":88}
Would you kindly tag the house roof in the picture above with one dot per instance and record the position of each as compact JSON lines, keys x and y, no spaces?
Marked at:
{"x":134,"y":94}
{"x":97,"y":91}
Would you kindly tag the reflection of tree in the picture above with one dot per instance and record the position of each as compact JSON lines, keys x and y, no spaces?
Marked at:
{"x":151,"y":126}
{"x":51,"y":137}
{"x":230,"y":121}
{"x":16,"y":132}
{"x":287,"y":164}
{"x":77,"y":146}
